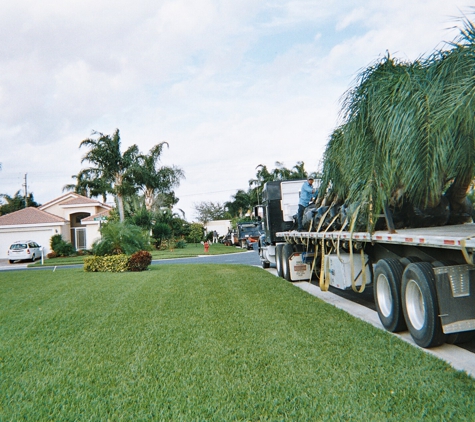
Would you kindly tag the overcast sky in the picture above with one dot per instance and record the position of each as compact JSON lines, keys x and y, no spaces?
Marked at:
{"x":228,"y":84}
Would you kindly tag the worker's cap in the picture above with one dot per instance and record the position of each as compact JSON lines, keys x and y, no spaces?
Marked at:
{"x":310,"y":178}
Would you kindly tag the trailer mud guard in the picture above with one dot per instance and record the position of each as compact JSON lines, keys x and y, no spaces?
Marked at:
{"x":456,"y":296}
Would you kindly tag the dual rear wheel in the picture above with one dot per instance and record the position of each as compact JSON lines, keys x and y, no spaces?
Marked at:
{"x":407,"y":298}
{"x":420,"y":305}
{"x":387,"y":297}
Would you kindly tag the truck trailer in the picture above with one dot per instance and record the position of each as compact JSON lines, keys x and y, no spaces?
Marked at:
{"x":423,"y":279}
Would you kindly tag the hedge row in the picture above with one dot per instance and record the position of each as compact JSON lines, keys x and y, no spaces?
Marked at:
{"x":138,"y":261}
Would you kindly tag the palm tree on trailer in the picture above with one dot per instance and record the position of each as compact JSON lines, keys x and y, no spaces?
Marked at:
{"x":408,"y":131}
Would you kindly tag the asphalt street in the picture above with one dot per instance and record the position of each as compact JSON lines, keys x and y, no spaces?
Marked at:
{"x":243,"y":258}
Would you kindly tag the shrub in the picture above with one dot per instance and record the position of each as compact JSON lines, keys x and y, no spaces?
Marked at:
{"x":52,"y":254}
{"x":55,"y":241}
{"x":166,"y":245}
{"x":120,"y":238}
{"x":139,"y":261}
{"x":161,"y":232}
{"x":65,"y":249}
{"x":181,"y":244}
{"x":60,"y":247}
{"x":113,"y":263}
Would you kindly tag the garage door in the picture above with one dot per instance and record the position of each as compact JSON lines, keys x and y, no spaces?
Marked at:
{"x":8,"y":236}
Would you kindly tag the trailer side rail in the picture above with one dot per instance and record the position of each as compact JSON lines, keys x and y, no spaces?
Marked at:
{"x":449,"y":237}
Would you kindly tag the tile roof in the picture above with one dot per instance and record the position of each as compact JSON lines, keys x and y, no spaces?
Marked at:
{"x":104,"y":213}
{"x":30,"y":215}
{"x":59,"y":199}
{"x":82,"y":200}
{"x":72,"y":198}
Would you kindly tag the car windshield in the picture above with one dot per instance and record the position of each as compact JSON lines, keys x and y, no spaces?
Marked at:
{"x":18,"y":246}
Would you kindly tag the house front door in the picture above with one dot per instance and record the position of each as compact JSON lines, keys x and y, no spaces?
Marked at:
{"x":79,"y":238}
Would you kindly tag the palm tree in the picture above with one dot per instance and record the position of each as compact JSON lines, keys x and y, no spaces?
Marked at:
{"x":16,"y":202}
{"x":280,"y":172}
{"x":298,"y":171}
{"x":152,"y":179}
{"x":87,"y":186}
{"x":454,"y":73}
{"x":110,"y":168}
{"x":408,"y":132}
{"x":262,"y":176}
{"x":240,"y":204}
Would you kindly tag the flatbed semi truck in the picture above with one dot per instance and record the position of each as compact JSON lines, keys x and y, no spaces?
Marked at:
{"x":423,"y":279}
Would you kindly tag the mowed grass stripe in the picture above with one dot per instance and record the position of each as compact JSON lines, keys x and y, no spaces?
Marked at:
{"x":205,"y":342}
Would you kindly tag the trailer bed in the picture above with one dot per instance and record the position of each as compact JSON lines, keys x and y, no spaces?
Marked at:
{"x":448,"y":237}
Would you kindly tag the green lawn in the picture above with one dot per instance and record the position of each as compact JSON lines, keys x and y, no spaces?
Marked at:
{"x":191,"y":250}
{"x":205,"y":343}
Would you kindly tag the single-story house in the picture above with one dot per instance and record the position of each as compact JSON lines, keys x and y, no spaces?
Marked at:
{"x":75,"y":217}
{"x":221,"y":226}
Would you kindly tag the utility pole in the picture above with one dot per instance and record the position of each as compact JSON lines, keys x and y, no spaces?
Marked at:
{"x":26,"y":190}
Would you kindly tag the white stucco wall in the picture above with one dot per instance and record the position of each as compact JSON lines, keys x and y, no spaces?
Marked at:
{"x":221,"y":226}
{"x":92,"y":233}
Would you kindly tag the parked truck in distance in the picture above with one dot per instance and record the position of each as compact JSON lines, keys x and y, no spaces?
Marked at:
{"x":423,"y":279}
{"x":248,"y":234}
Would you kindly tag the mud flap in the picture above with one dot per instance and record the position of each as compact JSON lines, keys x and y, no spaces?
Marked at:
{"x":456,"y":296}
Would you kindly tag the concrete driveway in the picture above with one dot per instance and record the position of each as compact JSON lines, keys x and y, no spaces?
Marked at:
{"x":5,"y":265}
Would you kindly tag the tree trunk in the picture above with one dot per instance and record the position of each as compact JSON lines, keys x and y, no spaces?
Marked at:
{"x":461,"y":209}
{"x":457,"y":192}
{"x":120,"y":205}
{"x":148,"y":199}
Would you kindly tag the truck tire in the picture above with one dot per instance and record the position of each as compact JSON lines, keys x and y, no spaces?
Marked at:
{"x":278,"y":259}
{"x":287,"y":251}
{"x":409,"y":260}
{"x":387,"y":294}
{"x":420,"y":306}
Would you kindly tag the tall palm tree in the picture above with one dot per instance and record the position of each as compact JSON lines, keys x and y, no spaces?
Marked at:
{"x":110,"y":168}
{"x":153,"y":179}
{"x":262,"y":176}
{"x":298,"y":171}
{"x":240,"y":204}
{"x":87,"y":186}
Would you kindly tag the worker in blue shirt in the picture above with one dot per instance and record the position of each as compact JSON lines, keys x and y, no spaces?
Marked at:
{"x":307,"y":195}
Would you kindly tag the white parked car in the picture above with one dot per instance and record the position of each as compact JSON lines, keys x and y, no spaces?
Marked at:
{"x":24,"y":249}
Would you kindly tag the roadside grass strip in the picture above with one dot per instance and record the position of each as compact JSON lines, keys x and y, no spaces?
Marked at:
{"x":205,"y":343}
